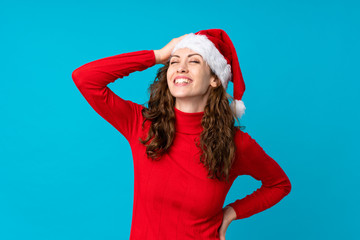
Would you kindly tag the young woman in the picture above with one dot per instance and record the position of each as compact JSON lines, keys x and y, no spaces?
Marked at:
{"x":186,"y":149}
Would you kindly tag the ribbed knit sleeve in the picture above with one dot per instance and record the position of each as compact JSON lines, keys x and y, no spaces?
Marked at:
{"x":253,"y":161}
{"x":92,"y":79}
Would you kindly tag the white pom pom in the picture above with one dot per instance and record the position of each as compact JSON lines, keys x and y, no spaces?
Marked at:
{"x":238,"y":108}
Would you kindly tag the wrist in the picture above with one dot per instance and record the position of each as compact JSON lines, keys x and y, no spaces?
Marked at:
{"x":231,"y":214}
{"x":157,"y":56}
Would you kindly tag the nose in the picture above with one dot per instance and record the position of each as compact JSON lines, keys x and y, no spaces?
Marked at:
{"x":182,"y":67}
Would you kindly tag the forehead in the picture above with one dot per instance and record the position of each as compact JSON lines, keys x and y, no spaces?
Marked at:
{"x":185,"y":52}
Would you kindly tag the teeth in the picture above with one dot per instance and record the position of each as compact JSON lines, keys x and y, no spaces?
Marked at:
{"x":181,"y":80}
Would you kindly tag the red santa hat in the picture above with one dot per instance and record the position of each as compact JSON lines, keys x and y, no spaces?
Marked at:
{"x":216,"y":48}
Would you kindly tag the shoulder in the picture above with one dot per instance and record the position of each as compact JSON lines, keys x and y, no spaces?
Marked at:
{"x":140,"y":126}
{"x":242,"y":139}
{"x":248,"y":151}
{"x":138,"y":107}
{"x":242,"y":142}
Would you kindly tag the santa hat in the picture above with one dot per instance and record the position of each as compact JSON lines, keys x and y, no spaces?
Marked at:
{"x":216,"y":48}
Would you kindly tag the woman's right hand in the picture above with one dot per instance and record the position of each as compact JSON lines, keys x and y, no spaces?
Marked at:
{"x":163,"y":54}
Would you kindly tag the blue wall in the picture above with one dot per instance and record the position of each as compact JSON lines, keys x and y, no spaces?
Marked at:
{"x":65,"y":173}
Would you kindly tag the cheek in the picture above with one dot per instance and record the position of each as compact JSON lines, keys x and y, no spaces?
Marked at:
{"x":168,"y":78}
{"x":169,"y":73}
{"x":205,"y":81}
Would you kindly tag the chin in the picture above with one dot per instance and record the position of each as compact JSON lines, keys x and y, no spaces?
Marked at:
{"x":179,"y":93}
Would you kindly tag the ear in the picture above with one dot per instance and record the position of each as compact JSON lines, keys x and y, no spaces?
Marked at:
{"x":214,"y":81}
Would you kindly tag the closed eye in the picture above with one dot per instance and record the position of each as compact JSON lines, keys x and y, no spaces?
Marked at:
{"x":190,"y":61}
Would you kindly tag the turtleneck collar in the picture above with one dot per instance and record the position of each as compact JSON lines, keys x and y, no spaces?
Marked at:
{"x":188,"y":123}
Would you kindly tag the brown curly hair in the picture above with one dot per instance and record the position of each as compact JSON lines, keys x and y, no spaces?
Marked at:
{"x":216,"y":139}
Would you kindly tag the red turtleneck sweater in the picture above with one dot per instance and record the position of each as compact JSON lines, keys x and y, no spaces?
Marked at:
{"x":173,"y":198}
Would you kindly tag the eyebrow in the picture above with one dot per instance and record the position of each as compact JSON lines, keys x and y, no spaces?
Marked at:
{"x":188,"y":55}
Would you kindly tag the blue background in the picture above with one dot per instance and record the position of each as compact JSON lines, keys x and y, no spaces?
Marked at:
{"x":65,"y":173}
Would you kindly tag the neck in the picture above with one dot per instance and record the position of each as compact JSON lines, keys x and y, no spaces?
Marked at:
{"x":188,"y":122}
{"x":190,"y":105}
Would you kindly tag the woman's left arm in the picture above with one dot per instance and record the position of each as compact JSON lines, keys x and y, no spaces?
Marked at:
{"x":255,"y":162}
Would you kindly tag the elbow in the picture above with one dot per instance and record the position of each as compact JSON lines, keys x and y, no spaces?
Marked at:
{"x":287,"y":187}
{"x":77,"y":76}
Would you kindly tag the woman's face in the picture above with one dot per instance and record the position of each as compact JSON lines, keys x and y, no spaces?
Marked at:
{"x":189,"y":65}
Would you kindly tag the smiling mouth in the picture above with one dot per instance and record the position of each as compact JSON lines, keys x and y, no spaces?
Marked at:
{"x":182,"y":82}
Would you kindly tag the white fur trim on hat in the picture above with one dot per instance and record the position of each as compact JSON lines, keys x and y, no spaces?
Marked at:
{"x":238,"y":107}
{"x":206,"y":48}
